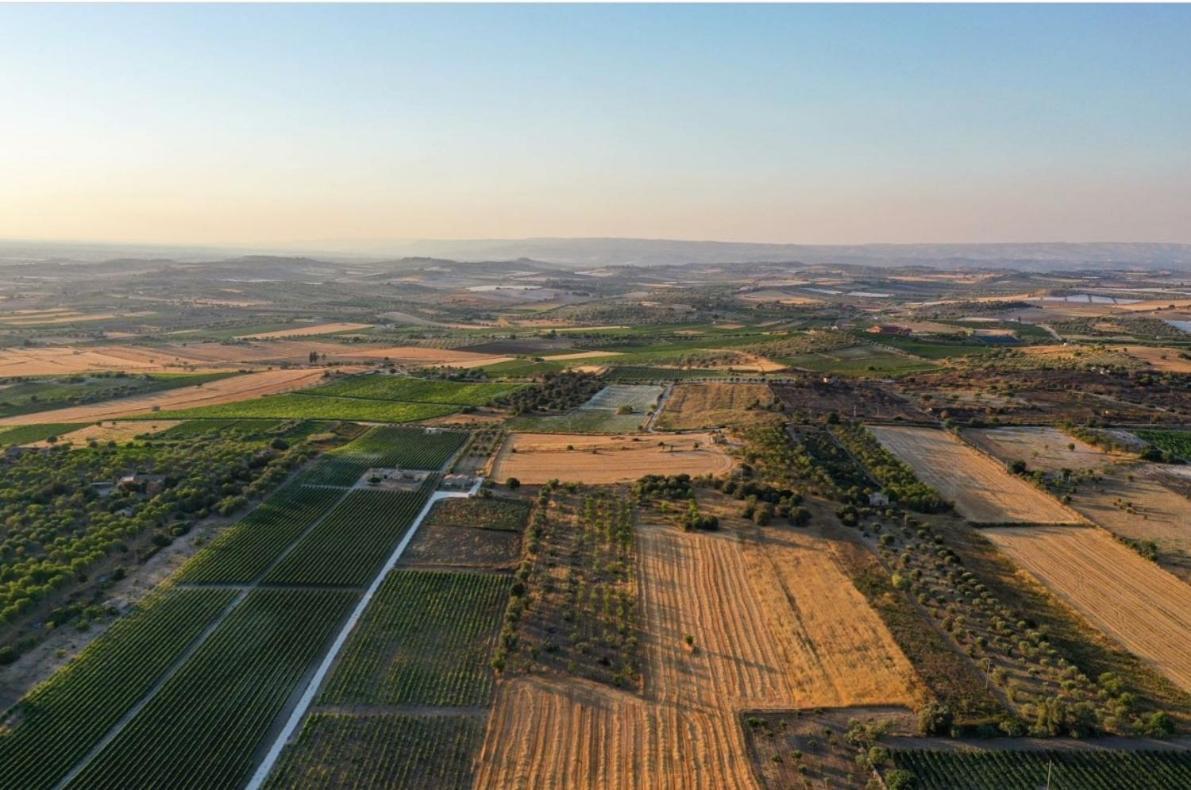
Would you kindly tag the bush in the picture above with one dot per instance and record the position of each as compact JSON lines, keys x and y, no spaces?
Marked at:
{"x":512,"y":484}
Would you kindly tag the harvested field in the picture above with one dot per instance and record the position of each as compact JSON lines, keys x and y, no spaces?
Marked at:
{"x":1130,"y":501}
{"x":712,"y":405}
{"x":1045,"y":449}
{"x":983,"y":491}
{"x":118,"y":432}
{"x":307,"y":331}
{"x":764,"y":612}
{"x":229,"y":390}
{"x":1123,"y":594}
{"x":538,"y":457}
{"x":66,"y":360}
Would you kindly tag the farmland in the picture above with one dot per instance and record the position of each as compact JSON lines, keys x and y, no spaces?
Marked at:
{"x":1143,"y":607}
{"x":1047,"y":449}
{"x":982,"y":490}
{"x":1177,"y":444}
{"x":1077,"y":769}
{"x":536,"y":458}
{"x":412,"y":390}
{"x":56,"y":724}
{"x":209,"y":718}
{"x":692,"y":406}
{"x":426,"y":639}
{"x":614,"y":409}
{"x":312,"y":407}
{"x":28,"y":396}
{"x":348,"y":547}
{"x":219,"y":393}
{"x":381,"y":750}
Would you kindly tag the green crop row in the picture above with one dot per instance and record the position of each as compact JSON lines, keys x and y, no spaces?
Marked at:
{"x":243,"y":552}
{"x":367,"y":752}
{"x":413,"y":390}
{"x":205,"y":725}
{"x":296,"y":405}
{"x":59,"y":721}
{"x":353,"y":541}
{"x":1059,"y":770}
{"x":425,"y":639}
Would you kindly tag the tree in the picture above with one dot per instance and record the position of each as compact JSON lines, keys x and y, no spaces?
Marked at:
{"x":512,"y":484}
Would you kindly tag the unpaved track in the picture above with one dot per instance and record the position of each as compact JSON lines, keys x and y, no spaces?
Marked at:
{"x":1123,"y":594}
{"x":768,"y":634}
{"x":983,"y":491}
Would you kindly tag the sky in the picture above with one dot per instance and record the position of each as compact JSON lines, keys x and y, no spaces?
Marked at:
{"x":319,"y":125}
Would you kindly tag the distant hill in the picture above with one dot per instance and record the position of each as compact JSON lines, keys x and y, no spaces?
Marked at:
{"x":578,"y":253}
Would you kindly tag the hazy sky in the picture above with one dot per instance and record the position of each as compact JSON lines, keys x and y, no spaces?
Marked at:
{"x":301,"y":124}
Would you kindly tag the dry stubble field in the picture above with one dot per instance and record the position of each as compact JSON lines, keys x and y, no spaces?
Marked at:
{"x":229,"y":390}
{"x":1047,"y":449}
{"x":1154,"y":512}
{"x":597,"y":460}
{"x":983,"y":491}
{"x":776,"y":625}
{"x":1125,"y":595}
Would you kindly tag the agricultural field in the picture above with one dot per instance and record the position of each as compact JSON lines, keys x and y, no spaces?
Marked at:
{"x":120,"y":432}
{"x":58,"y":722}
{"x":536,"y":458}
{"x":385,"y":446}
{"x":205,"y":724}
{"x":617,"y":408}
{"x":366,"y":751}
{"x":40,"y":395}
{"x":30,"y":434}
{"x":1176,"y":444}
{"x":69,"y":361}
{"x":223,"y":392}
{"x":241,"y":553}
{"x":1046,"y":449}
{"x":1129,"y":598}
{"x":413,"y":390}
{"x":299,"y":406}
{"x":1061,"y":769}
{"x":693,"y":406}
{"x":308,"y":330}
{"x":982,"y":490}
{"x":811,"y":399}
{"x":426,"y":639}
{"x":469,"y":533}
{"x":1135,"y":503}
{"x":352,"y":542}
{"x":758,"y":639}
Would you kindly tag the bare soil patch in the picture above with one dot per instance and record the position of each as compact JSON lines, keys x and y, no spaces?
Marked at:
{"x":67,"y":360}
{"x":716,"y":404}
{"x":811,"y":398}
{"x":1123,"y":594}
{"x":538,"y":457}
{"x":983,"y":491}
{"x":229,"y":390}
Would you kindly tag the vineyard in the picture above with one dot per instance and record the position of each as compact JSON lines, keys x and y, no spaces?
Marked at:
{"x":49,"y":730}
{"x":351,"y":544}
{"x":205,"y":724}
{"x":243,"y":552}
{"x":297,"y":405}
{"x":412,"y":390}
{"x":1027,"y":770}
{"x":387,"y":447}
{"x":499,"y":514}
{"x":424,"y":640}
{"x":392,"y":750}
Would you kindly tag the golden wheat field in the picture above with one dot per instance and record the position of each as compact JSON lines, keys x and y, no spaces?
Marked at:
{"x":596,"y":460}
{"x":1120,"y":592}
{"x":710,"y":405}
{"x":775,"y":625}
{"x":983,"y":491}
